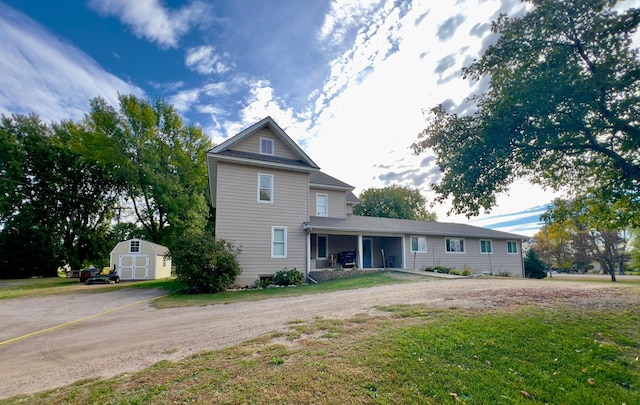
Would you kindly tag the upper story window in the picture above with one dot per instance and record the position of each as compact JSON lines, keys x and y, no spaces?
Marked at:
{"x":485,"y":247}
{"x":512,"y":246}
{"x":322,"y":205}
{"x":454,"y":245}
{"x":265,"y":188}
{"x":418,"y":244}
{"x":134,"y":246}
{"x":266,"y":146}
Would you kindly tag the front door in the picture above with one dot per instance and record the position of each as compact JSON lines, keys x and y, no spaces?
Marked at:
{"x":367,"y":250}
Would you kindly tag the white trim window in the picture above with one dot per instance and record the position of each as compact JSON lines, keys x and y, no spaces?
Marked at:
{"x":512,"y":247}
{"x":322,"y":244}
{"x":265,"y":188}
{"x":266,"y":146}
{"x":322,"y":205}
{"x":486,"y":248}
{"x":454,"y":245}
{"x":418,"y":244}
{"x":278,"y":242}
{"x":134,"y":246}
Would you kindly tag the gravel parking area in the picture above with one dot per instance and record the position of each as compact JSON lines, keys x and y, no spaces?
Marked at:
{"x":54,"y":341}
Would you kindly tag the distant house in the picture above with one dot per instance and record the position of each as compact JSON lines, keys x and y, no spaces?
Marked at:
{"x":273,"y":202}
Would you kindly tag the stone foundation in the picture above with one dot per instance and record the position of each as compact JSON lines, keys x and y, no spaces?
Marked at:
{"x":326,"y":275}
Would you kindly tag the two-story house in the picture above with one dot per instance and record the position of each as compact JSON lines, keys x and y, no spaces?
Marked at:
{"x":273,"y":202}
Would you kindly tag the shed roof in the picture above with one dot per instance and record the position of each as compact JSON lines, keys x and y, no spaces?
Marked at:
{"x":356,"y":223}
{"x":159,"y":249}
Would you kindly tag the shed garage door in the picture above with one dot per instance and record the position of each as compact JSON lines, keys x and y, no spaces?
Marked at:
{"x":134,"y":267}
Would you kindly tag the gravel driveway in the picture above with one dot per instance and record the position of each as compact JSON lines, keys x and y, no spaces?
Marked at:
{"x":101,"y":335}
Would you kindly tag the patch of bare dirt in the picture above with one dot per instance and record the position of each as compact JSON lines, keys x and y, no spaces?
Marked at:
{"x":49,"y":342}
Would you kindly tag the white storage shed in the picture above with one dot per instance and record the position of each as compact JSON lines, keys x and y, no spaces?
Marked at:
{"x":138,"y":259}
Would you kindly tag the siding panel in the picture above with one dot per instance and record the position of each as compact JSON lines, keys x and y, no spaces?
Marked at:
{"x":247,"y":223}
{"x":337,"y":202}
{"x":436,"y":255}
{"x":252,"y":144}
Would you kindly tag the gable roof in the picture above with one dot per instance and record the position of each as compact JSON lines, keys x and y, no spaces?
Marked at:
{"x":224,"y":150}
{"x":356,"y":223}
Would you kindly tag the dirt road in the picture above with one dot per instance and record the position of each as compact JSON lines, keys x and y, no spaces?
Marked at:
{"x":51,"y":342}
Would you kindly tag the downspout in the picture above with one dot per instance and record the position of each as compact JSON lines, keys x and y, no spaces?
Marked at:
{"x":307,"y":229}
{"x":522,"y":261}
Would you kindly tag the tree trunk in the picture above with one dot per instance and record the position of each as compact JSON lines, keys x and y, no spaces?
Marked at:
{"x":611,"y":269}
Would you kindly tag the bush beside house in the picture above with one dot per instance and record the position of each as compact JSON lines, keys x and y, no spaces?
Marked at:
{"x":204,"y":264}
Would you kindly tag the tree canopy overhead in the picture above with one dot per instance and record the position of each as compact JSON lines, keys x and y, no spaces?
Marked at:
{"x":562,"y":110}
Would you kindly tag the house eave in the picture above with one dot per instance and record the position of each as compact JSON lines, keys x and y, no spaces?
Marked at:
{"x":329,"y":187}
{"x":253,"y":162}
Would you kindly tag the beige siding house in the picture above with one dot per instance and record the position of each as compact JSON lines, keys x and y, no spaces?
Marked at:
{"x":273,"y":202}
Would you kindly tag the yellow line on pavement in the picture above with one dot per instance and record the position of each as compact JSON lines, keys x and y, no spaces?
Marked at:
{"x":78,"y":320}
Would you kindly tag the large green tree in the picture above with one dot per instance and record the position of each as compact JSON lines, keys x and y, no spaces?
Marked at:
{"x":562,"y":110}
{"x":394,"y":202}
{"x":56,"y":205}
{"x":159,"y":158}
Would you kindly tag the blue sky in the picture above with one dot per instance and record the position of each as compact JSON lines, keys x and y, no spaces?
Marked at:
{"x":348,"y":80}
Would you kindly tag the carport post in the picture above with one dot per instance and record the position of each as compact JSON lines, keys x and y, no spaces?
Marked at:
{"x":360,"y":262}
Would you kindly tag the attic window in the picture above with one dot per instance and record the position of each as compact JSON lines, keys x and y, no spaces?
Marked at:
{"x":134,"y":246}
{"x":266,"y":146}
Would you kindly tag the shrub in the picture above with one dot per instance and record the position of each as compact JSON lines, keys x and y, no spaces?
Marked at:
{"x":441,"y":269}
{"x":455,"y":272}
{"x":288,"y":277}
{"x":466,"y":271}
{"x":263,"y":282}
{"x":503,"y":274}
{"x":534,"y":267}
{"x":204,"y":264}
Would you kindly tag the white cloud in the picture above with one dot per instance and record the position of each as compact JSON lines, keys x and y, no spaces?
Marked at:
{"x":149,"y":19}
{"x":44,"y":75}
{"x":343,"y":16}
{"x":183,"y":100}
{"x":204,"y":60}
{"x":167,"y":86}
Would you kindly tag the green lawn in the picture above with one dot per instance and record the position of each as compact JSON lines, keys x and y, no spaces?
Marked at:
{"x":34,"y":287}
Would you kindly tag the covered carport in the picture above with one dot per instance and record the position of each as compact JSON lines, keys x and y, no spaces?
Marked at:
{"x":329,"y":240}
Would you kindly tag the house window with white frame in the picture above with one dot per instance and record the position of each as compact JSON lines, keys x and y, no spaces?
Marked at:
{"x":321,"y":246}
{"x":266,"y":146}
{"x":512,"y":247}
{"x":265,"y":188}
{"x":322,"y":205}
{"x":134,"y":246}
{"x":279,"y":242}
{"x":418,"y":244}
{"x":485,"y":246}
{"x":454,"y":245}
